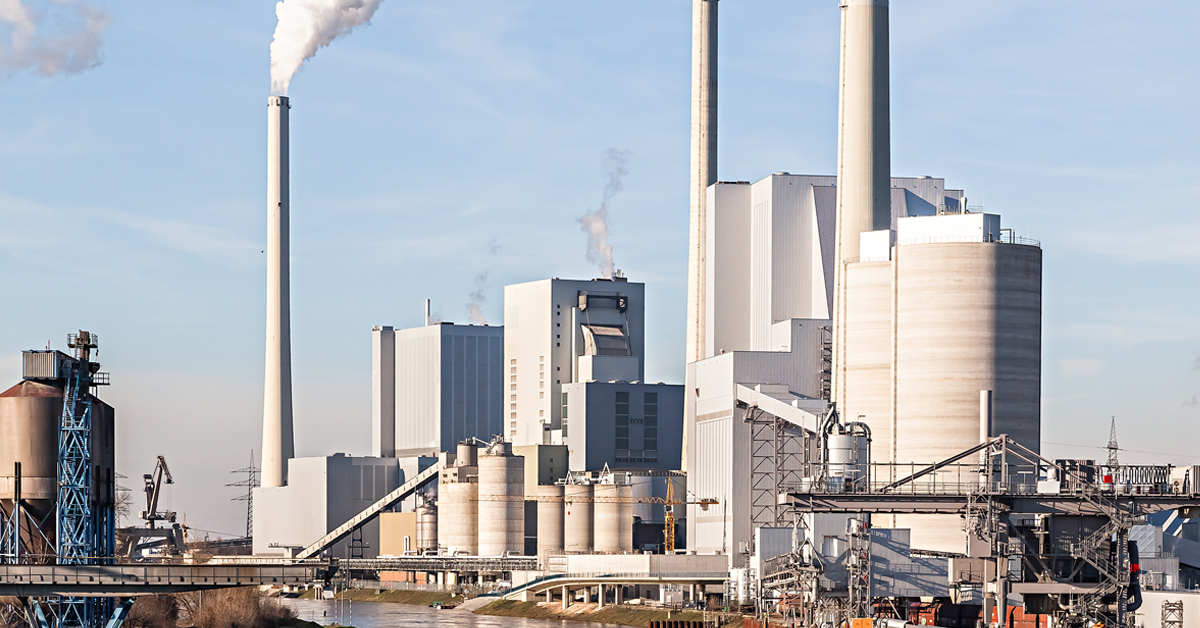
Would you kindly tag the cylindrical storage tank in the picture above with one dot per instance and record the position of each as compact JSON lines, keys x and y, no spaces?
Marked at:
{"x":577,"y":518}
{"x":625,"y":532}
{"x":29,"y":416}
{"x":427,"y":527}
{"x":501,"y":504}
{"x":968,"y":318}
{"x":848,"y":456}
{"x":550,"y":519}
{"x":468,"y":455}
{"x":607,"y":513}
{"x":458,"y":517}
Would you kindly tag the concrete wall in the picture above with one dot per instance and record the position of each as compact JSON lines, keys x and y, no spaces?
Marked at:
{"x":544,"y":464}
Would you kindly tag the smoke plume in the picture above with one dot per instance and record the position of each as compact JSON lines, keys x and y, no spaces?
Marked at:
{"x":306,"y":26}
{"x":63,"y":38}
{"x":476,"y":299}
{"x":595,"y":224}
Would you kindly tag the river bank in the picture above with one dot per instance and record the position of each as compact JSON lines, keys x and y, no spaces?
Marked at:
{"x":624,"y":615}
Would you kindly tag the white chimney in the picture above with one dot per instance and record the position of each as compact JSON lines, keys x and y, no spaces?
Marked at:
{"x":704,"y":163}
{"x":864,"y":149}
{"x":278,"y":445}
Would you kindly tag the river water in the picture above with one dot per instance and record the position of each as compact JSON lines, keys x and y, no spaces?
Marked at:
{"x":388,"y":615}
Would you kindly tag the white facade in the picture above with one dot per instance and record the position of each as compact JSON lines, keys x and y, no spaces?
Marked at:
{"x":719,"y":452}
{"x":559,"y":331}
{"x":322,"y":494}
{"x":434,"y":386}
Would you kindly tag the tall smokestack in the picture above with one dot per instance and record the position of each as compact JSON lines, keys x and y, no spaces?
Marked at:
{"x":704,"y":163}
{"x":428,"y":313}
{"x":703,"y":174}
{"x":864,"y":149}
{"x":278,"y":446}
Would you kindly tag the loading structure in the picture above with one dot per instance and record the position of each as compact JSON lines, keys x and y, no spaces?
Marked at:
{"x":1065,"y":523}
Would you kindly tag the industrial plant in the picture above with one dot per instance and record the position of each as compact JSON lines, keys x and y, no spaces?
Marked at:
{"x":857,"y":438}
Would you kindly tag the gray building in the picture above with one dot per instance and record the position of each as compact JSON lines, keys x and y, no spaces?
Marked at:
{"x":434,"y":386}
{"x":622,"y":425}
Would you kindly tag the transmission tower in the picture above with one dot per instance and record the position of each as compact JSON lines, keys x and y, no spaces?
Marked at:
{"x":251,"y":483}
{"x":1112,"y":444}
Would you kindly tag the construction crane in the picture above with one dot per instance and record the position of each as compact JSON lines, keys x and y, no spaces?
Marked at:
{"x":172,"y":536}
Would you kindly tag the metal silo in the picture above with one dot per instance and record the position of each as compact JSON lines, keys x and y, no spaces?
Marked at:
{"x":550,"y":519}
{"x":29,"y":416}
{"x":501,"y":502}
{"x":427,"y":526}
{"x":577,"y":518}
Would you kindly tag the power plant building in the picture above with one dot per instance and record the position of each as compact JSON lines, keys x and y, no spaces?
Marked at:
{"x":622,"y":425}
{"x":323,"y":493}
{"x":435,"y":386}
{"x":561,"y":331}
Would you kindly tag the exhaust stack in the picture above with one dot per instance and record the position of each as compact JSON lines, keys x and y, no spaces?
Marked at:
{"x":704,"y":164}
{"x":278,"y":446}
{"x":864,"y":149}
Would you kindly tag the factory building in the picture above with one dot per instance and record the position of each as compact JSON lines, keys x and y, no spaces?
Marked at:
{"x":622,"y":424}
{"x":560,"y":331}
{"x":435,"y":386}
{"x":323,"y":493}
{"x":574,"y":353}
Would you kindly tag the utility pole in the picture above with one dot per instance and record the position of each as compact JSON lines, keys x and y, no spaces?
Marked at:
{"x":251,"y":483}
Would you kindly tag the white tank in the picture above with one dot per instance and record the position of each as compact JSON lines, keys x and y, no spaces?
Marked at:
{"x":625,"y":538}
{"x":427,"y":527}
{"x":458,"y":518}
{"x":848,"y":456}
{"x":577,"y":518}
{"x":468,"y":455}
{"x":550,"y":519}
{"x":501,"y":504}
{"x":607,"y":511}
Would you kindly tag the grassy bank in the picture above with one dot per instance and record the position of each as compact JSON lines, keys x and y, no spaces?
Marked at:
{"x":420,"y":598}
{"x":624,"y":615}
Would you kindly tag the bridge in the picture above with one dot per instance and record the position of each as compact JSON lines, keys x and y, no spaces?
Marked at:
{"x":565,"y":586}
{"x":133,"y":580}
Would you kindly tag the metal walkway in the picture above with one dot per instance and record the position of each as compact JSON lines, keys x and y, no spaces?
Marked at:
{"x":133,"y":580}
{"x":370,"y":512}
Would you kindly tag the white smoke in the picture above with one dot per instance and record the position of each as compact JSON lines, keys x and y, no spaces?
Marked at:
{"x":306,"y":26}
{"x":595,"y":224}
{"x":64,"y":37}
{"x":475,"y":300}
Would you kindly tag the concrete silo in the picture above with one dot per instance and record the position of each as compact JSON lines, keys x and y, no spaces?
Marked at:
{"x":458,"y":503}
{"x":501,"y":503}
{"x":550,"y":519}
{"x":953,"y":310}
{"x":577,"y":518}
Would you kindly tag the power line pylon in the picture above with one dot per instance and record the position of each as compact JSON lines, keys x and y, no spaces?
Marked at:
{"x":1112,"y":444}
{"x":251,"y":483}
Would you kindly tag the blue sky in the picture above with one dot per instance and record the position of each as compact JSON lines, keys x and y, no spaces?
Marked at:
{"x":132,"y":194}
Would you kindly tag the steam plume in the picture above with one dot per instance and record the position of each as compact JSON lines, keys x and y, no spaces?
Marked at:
{"x":595,"y":224}
{"x":476,"y":299}
{"x":306,"y":26}
{"x":63,"y":39}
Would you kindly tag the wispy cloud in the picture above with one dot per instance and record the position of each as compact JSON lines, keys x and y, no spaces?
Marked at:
{"x":1080,"y":367}
{"x":1143,"y":241}
{"x":1193,"y":401}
